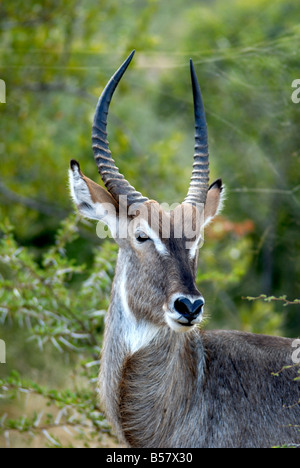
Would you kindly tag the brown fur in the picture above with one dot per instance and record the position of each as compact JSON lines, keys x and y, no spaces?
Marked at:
{"x":161,"y":388}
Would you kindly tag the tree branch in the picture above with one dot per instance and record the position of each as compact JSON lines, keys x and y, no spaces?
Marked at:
{"x":41,"y":206}
{"x":266,"y":298}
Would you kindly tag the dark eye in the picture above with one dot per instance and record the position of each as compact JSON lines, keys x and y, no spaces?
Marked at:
{"x":141,"y":237}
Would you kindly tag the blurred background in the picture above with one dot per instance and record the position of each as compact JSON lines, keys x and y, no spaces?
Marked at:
{"x":55,"y":274}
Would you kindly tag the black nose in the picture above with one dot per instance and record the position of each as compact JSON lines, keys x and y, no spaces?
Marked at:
{"x":188,"y":309}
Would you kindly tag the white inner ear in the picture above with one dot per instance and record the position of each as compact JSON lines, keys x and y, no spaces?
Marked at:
{"x":214,"y":207}
{"x":82,"y":198}
{"x":104,"y":212}
{"x":81,"y":195}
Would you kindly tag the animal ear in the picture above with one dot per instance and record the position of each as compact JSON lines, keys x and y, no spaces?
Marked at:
{"x":92,"y":200}
{"x":214,"y":201}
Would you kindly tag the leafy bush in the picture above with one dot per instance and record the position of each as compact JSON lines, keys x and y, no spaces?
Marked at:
{"x":61,"y":313}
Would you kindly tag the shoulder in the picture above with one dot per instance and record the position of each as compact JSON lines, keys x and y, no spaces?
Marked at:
{"x":250,"y":346}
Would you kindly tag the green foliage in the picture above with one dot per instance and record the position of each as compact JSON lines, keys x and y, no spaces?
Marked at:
{"x":61,"y":317}
{"x":56,"y":58}
{"x":44,"y":297}
{"x":76,"y":410}
{"x":264,"y":319}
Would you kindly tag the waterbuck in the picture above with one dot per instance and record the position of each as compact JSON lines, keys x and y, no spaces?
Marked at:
{"x":164,"y":382}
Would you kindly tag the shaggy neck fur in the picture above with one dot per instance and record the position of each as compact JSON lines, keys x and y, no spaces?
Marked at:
{"x":131,"y":346}
{"x":216,"y":388}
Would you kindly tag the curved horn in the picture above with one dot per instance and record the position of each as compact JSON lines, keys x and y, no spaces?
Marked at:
{"x":115,"y":182}
{"x":200,"y":176}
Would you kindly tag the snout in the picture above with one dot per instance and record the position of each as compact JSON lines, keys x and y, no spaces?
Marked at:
{"x":184,"y":312}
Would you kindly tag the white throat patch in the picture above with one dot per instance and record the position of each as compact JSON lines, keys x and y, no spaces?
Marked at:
{"x":137,"y":333}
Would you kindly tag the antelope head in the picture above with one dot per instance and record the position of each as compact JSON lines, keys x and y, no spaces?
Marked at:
{"x":157,"y":263}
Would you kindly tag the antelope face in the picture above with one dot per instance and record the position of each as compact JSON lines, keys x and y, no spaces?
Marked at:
{"x":161,"y":262}
{"x":157,"y":263}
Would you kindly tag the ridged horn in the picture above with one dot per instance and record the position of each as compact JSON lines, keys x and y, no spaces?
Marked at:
{"x":200,"y":176}
{"x":115,"y":182}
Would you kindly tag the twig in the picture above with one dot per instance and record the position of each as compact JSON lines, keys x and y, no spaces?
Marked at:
{"x":264,"y":190}
{"x":266,"y":298}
